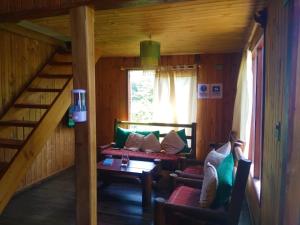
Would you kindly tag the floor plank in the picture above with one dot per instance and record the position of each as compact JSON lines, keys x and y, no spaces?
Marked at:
{"x":53,"y":202}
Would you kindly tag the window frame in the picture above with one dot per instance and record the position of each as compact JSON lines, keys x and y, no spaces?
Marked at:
{"x":257,"y":119}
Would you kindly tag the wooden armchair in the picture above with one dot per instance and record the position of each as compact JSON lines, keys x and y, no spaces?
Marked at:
{"x":193,"y":169}
{"x":182,"y":207}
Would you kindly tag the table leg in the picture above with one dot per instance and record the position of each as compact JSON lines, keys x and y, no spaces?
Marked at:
{"x":147,"y":189}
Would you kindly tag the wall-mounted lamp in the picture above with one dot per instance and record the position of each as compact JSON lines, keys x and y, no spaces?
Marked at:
{"x":79,"y":105}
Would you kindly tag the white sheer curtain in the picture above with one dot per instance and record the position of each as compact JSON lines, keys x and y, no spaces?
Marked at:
{"x":244,"y":100}
{"x":175,"y":95}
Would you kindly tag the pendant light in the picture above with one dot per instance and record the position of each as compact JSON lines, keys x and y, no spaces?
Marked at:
{"x":149,"y":53}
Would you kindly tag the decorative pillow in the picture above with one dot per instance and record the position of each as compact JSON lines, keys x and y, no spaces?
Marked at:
{"x":225,"y":178}
{"x":134,"y":142}
{"x":172,"y":143}
{"x":151,"y":144}
{"x":209,"y":186}
{"x":122,"y":135}
{"x":225,"y":149}
{"x":215,"y":158}
{"x":145,"y":133}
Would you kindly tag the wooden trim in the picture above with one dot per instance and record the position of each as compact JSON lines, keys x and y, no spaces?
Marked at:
{"x":155,"y":124}
{"x":83,"y":57}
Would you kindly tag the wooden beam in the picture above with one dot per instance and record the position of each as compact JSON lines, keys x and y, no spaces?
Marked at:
{"x":83,"y":57}
{"x":60,"y":7}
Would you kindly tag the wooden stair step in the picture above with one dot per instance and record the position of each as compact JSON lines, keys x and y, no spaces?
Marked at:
{"x":55,"y":76}
{"x":11,"y":143}
{"x":18,"y":123}
{"x":58,"y":63}
{"x":32,"y":106}
{"x":44,"y":89}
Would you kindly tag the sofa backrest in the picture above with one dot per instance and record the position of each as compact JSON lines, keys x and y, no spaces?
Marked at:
{"x":192,"y":127}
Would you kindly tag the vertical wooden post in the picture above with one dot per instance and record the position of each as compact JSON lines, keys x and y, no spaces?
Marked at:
{"x":82,"y":30}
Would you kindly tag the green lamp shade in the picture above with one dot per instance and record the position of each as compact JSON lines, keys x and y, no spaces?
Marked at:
{"x":149,"y":53}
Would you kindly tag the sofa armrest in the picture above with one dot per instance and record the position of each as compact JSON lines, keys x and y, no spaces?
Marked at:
{"x":188,"y":175}
{"x":102,"y":147}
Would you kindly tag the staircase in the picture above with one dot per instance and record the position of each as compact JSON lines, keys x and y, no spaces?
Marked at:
{"x":29,"y":122}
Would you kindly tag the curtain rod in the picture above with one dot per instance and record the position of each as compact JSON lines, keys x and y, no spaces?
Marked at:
{"x":184,"y":66}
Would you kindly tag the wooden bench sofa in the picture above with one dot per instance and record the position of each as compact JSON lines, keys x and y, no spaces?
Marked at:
{"x":169,"y":162}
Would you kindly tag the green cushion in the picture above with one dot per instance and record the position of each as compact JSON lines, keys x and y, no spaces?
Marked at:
{"x":225,"y":181}
{"x":182,"y":135}
{"x":122,"y":135}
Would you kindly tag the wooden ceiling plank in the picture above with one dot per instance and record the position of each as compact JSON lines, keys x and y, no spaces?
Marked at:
{"x":210,"y":26}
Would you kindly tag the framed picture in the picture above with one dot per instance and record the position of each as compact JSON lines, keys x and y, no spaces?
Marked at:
{"x":203,"y":91}
{"x":216,"y":91}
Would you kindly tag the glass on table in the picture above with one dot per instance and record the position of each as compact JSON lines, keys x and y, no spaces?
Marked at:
{"x":124,"y":160}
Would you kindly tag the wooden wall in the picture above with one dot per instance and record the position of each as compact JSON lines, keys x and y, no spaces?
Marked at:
{"x":214,"y":117}
{"x":280,"y":184}
{"x":20,"y":58}
{"x":276,"y":108}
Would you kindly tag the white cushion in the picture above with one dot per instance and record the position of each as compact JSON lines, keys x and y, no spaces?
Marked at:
{"x":213,"y":157}
{"x":134,"y":142}
{"x":172,"y":143}
{"x":151,"y":144}
{"x":225,"y":149}
{"x":209,"y":186}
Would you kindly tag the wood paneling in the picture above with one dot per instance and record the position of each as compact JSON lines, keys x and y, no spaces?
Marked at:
{"x":292,"y":198}
{"x":112,"y":90}
{"x":276,"y":108}
{"x":13,"y":10}
{"x":20,"y":59}
{"x":186,"y":27}
{"x":214,"y":117}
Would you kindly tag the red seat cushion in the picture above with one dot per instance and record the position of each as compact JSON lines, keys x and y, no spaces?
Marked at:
{"x":197,"y":170}
{"x":185,"y":195}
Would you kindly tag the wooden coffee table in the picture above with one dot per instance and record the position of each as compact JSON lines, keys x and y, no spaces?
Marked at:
{"x":136,"y":169}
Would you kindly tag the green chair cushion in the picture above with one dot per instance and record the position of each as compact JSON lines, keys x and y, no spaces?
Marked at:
{"x":182,"y":135}
{"x":225,"y":181}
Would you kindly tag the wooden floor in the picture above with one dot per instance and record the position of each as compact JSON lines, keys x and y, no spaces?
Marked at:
{"x":53,"y":203}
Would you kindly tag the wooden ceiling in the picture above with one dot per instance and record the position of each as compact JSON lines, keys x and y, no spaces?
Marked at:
{"x":187,"y":27}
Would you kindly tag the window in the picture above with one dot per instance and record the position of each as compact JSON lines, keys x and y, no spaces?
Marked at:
{"x":256,"y":135}
{"x":167,"y":95}
{"x":141,"y":88}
